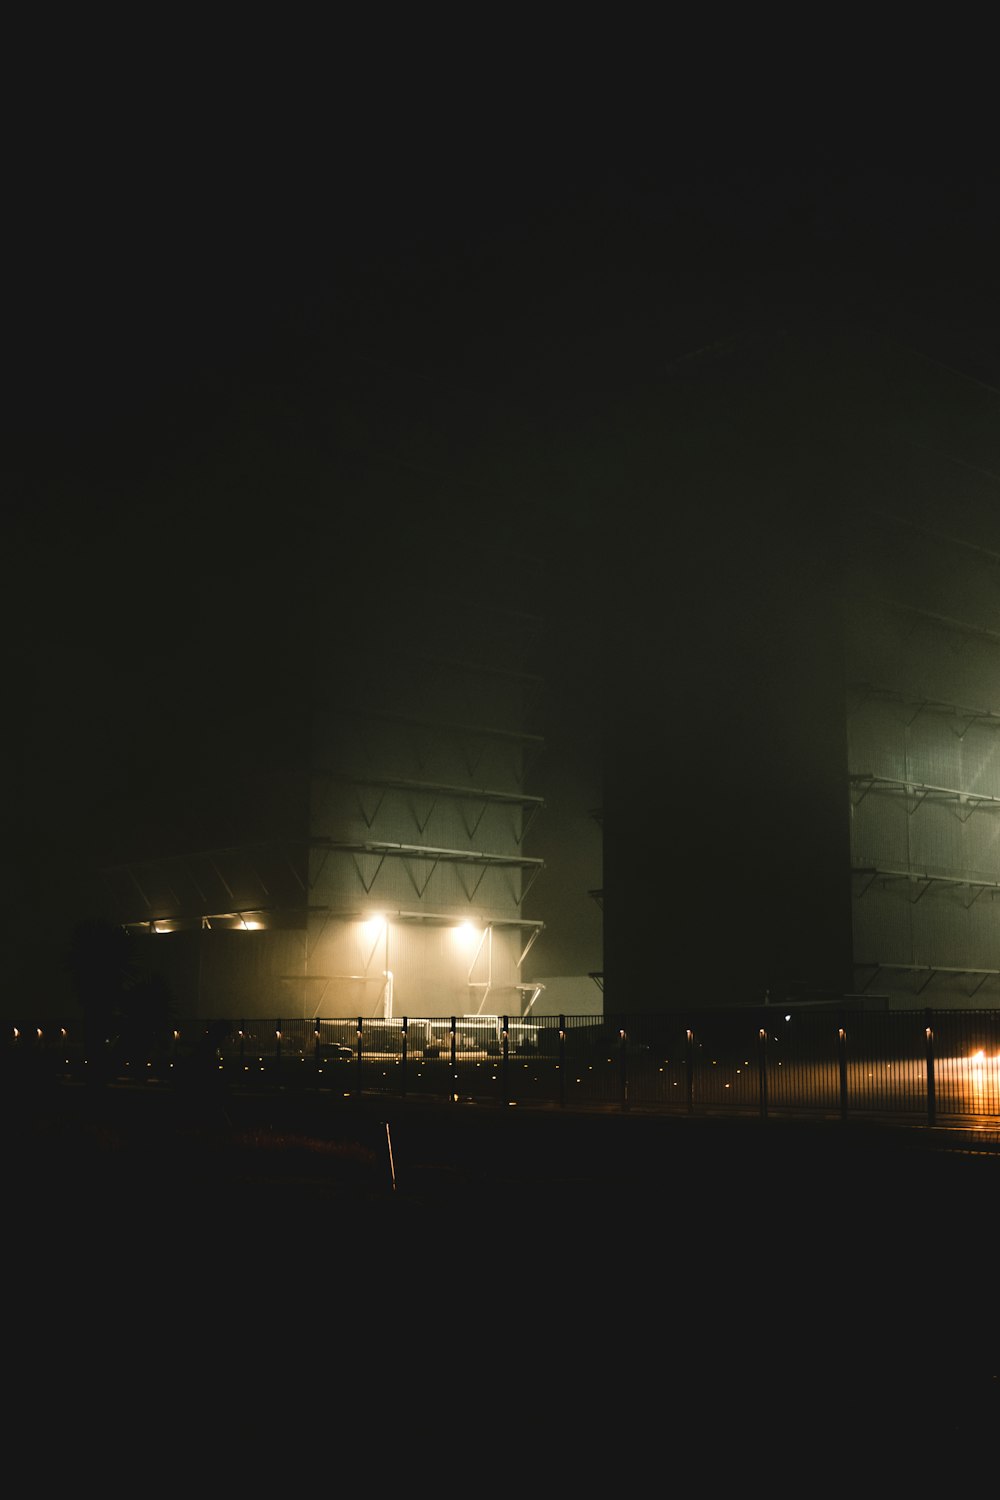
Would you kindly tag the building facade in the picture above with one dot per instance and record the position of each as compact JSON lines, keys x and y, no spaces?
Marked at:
{"x":391,"y":876}
{"x":784,"y":752}
{"x":384,"y":855}
{"x":922,"y":651}
{"x":803,"y":796}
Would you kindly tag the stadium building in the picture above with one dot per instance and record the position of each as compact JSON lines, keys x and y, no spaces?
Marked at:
{"x":803,"y":802}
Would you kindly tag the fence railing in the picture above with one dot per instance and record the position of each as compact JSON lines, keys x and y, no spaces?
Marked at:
{"x":926,"y":1064}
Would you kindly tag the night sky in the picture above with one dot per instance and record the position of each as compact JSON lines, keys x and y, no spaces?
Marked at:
{"x":213,"y":328}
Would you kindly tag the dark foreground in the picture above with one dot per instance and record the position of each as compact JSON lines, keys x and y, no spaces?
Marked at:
{"x":713,"y":1274}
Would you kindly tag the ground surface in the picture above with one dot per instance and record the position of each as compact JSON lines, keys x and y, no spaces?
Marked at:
{"x":644,"y":1263}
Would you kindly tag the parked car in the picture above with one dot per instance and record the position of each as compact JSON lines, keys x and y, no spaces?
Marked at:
{"x":334,"y":1052}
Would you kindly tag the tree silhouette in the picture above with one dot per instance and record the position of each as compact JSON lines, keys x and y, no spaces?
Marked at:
{"x":102,"y":965}
{"x":127,"y":1011}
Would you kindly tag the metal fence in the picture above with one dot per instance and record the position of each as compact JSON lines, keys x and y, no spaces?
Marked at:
{"x":928,"y":1065}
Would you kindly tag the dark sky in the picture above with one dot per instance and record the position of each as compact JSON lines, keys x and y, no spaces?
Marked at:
{"x":207,"y":323}
{"x":486,"y":305}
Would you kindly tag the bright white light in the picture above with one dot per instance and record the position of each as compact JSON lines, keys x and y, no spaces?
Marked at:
{"x":374,"y":925}
{"x":465,"y":933}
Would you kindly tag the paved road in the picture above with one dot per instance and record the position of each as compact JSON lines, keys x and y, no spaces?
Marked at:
{"x":729,"y":1265}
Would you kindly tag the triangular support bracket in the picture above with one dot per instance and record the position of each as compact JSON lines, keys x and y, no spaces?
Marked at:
{"x":419,"y":887}
{"x":368,"y":883}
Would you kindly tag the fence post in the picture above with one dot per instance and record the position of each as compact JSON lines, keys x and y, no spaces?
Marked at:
{"x":562,"y":1062}
{"x":402,"y":1058}
{"x":762,"y":1070}
{"x":454,"y":1060}
{"x":504,"y":1060}
{"x":689,"y":1070}
{"x":842,"y":1059}
{"x":357,"y":1071}
{"x":622,"y":1067}
{"x":931,"y":1092}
